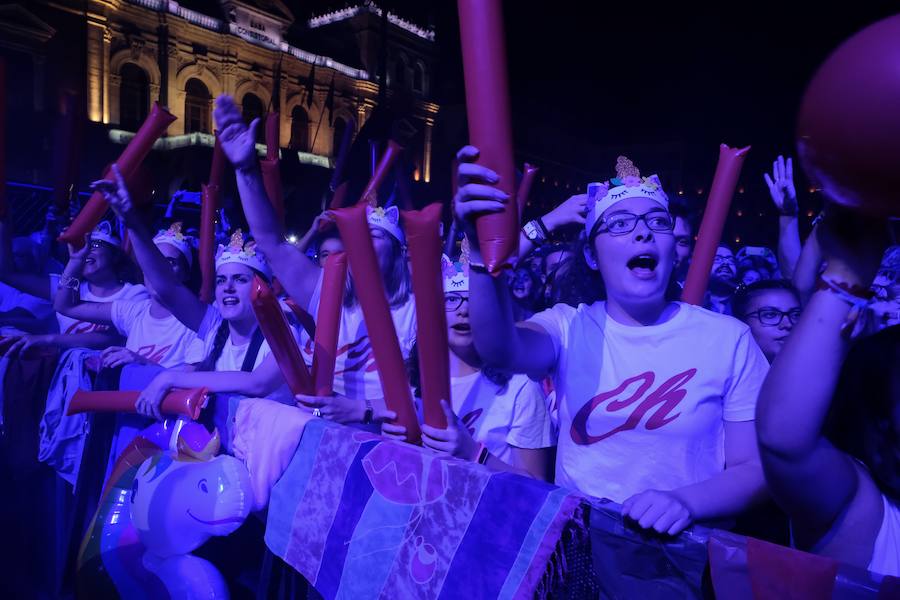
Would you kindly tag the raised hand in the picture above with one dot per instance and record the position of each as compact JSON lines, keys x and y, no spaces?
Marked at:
{"x":781,"y":186}
{"x":116,"y":193}
{"x":238,"y":141}
{"x":573,"y":210}
{"x":476,"y":192}
{"x":117,"y":356}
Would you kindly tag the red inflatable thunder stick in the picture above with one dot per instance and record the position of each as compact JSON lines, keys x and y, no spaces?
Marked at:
{"x":720,"y":194}
{"x":187,"y":403}
{"x":391,"y":153}
{"x":525,"y":187}
{"x":271,"y":171}
{"x":129,"y":162}
{"x":487,"y":107}
{"x":424,"y":241}
{"x":209,"y":203}
{"x":848,"y":129}
{"x":329,"y":322}
{"x":275,"y":328}
{"x":354,"y":229}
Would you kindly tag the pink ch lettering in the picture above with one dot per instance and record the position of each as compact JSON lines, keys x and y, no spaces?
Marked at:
{"x":666,"y":397}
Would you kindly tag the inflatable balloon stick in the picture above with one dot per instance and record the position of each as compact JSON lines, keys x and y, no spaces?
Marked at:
{"x":187,"y":403}
{"x":424,"y":241}
{"x":273,"y":135}
{"x":487,"y":106}
{"x":329,"y":323}
{"x":354,"y":229}
{"x":339,"y":199}
{"x":129,"y":162}
{"x":848,"y":129}
{"x":271,"y":171}
{"x":206,"y":253}
{"x":217,"y":168}
{"x":720,"y":194}
{"x":342,"y":153}
{"x":385,"y":163}
{"x":524,"y":190}
{"x":275,"y":327}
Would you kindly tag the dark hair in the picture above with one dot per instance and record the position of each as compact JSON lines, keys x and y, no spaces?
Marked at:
{"x":863,"y":416}
{"x":498,"y":378}
{"x":745,"y":294}
{"x":209,"y":363}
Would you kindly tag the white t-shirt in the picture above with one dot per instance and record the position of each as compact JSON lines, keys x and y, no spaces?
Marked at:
{"x":69,"y":325}
{"x":886,"y":551}
{"x":232,"y":357}
{"x":355,"y":373}
{"x":500,"y":419}
{"x":644,"y":407}
{"x":163,"y":341}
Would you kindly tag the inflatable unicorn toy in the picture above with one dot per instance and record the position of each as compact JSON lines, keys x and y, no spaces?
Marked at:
{"x":167,"y":495}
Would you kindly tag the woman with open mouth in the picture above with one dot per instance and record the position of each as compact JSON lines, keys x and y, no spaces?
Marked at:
{"x":656,"y":398}
{"x":497,"y":419}
{"x":227,"y":352}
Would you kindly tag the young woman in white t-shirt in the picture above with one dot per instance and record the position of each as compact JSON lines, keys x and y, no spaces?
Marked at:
{"x":225,"y":330}
{"x":656,"y":398}
{"x":104,"y":270}
{"x":153,"y":334}
{"x":506,"y":415}
{"x":356,"y":384}
{"x":828,"y":419}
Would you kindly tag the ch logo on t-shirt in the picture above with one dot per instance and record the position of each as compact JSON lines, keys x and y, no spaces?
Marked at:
{"x":153,"y":353}
{"x":85,"y":327}
{"x":469,"y":419}
{"x":358,"y":356}
{"x":666,"y":397}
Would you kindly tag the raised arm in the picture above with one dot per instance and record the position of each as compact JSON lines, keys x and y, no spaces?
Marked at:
{"x":68,"y":298}
{"x":500,"y":342}
{"x":296,"y":273}
{"x":572,"y":211}
{"x":784,"y":196}
{"x":186,"y":307}
{"x":809,"y":478}
{"x":808,"y":266}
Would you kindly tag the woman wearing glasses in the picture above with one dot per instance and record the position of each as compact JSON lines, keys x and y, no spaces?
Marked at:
{"x":656,"y":398}
{"x":771,"y":309}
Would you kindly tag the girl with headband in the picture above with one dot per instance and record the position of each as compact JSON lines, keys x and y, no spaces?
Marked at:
{"x":227,"y":338}
{"x":358,"y":393}
{"x":656,"y":398}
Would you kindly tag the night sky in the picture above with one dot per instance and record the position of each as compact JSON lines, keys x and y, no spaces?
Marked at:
{"x":589,"y":78}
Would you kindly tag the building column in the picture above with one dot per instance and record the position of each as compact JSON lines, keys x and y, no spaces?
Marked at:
{"x":95,"y":84}
{"x":115,"y":89}
{"x":107,"y":43}
{"x":426,"y":158}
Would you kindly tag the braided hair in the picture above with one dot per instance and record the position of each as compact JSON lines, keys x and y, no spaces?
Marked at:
{"x":209,"y":363}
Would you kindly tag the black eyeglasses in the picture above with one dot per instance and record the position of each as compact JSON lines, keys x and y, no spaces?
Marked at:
{"x":452,"y":302}
{"x":622,"y":223}
{"x":771,"y":316}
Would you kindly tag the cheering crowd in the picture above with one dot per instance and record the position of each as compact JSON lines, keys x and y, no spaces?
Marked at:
{"x":773,"y":409}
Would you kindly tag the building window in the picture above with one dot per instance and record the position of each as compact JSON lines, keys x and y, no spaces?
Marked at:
{"x":197,"y":102}
{"x":134,"y":97}
{"x":252,"y":108}
{"x":419,"y":78}
{"x":340,"y":125}
{"x":299,"y":129}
